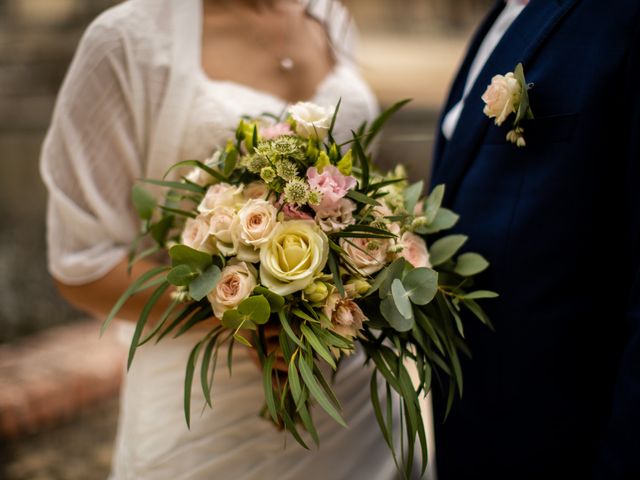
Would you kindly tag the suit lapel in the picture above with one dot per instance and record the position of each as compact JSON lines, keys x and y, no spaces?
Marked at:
{"x":519,"y":44}
{"x":457,"y":87}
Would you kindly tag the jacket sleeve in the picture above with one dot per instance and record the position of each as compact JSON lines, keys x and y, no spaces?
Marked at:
{"x":619,"y":456}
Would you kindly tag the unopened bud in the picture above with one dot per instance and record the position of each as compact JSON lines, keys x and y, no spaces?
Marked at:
{"x":316,"y":292}
{"x":360,"y":286}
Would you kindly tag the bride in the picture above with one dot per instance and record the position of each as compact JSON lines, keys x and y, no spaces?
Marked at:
{"x":158,"y":81}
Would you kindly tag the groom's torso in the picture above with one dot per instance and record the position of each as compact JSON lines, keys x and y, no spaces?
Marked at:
{"x":551,"y":218}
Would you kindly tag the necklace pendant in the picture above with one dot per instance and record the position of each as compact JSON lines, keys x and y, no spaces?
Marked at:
{"x":287,"y":64}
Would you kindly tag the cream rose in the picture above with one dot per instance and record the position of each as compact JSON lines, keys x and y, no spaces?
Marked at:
{"x":294,"y":256}
{"x":257,"y":189}
{"x":312,"y":121}
{"x":221,"y":195}
{"x":368,"y":254}
{"x":236,"y":283}
{"x":222,"y":226}
{"x":256,"y":221}
{"x":414,"y":250}
{"x":196,"y":234}
{"x":502,"y":97}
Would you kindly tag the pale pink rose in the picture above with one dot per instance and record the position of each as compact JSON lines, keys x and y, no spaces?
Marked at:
{"x":275,"y":131}
{"x":331,"y":184}
{"x":414,"y":250}
{"x":502,"y":97}
{"x":256,"y":221}
{"x":257,"y":189}
{"x":196,"y":234}
{"x":220,"y":195}
{"x":346,"y":316}
{"x":223,"y":227}
{"x":199,"y":176}
{"x":368,"y":255}
{"x":236,"y":283}
{"x":336,"y":219}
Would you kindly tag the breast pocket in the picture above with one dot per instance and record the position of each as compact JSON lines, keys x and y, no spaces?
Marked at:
{"x":539,"y":131}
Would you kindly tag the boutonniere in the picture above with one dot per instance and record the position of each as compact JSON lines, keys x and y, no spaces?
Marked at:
{"x":508,"y":94}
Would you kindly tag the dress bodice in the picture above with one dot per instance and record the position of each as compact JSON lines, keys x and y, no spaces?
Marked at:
{"x":218,"y":105}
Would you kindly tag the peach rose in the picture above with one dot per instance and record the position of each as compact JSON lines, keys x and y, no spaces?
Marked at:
{"x":220,"y":195}
{"x":367,"y":254}
{"x":414,"y":250}
{"x":236,"y":283}
{"x":257,"y":219}
{"x":222,"y":226}
{"x":196,"y":234}
{"x":502,"y":97}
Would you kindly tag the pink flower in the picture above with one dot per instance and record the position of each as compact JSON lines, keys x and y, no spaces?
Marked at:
{"x":346,"y":316}
{"x":275,"y":131}
{"x":414,"y":250}
{"x":332,"y":184}
{"x":337,"y":219}
{"x":291,"y":212}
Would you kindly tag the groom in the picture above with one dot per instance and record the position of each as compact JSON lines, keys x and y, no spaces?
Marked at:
{"x":554,"y":392}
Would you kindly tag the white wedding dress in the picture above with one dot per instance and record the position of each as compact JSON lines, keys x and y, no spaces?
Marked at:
{"x":130,"y":107}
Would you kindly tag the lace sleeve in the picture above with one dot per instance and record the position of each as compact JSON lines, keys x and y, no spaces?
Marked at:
{"x":90,"y":158}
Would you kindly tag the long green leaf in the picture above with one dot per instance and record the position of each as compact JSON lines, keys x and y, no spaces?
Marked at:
{"x":142,"y":321}
{"x":135,"y":287}
{"x":267,"y":372}
{"x":288,"y":330}
{"x":188,"y":381}
{"x":381,"y":120}
{"x":190,"y":187}
{"x":317,"y":345}
{"x":318,"y":393}
{"x":198,"y":164}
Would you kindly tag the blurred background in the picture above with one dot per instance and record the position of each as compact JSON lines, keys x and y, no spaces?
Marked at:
{"x":58,"y":382}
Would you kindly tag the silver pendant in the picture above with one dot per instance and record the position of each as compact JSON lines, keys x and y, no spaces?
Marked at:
{"x":287,"y":64}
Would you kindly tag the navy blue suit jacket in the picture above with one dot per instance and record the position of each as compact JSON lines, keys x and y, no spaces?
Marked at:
{"x":555,"y":391}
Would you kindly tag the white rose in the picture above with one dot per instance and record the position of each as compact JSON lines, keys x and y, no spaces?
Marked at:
{"x":312,"y":121}
{"x":502,"y":97}
{"x":294,"y":256}
{"x":222,"y":226}
{"x":220,"y":195}
{"x":256,"y":221}
{"x":196,"y":234}
{"x":367,"y":254}
{"x":236,"y":283}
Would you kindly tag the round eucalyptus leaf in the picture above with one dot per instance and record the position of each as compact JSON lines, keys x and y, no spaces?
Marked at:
{"x":232,"y":319}
{"x":256,"y":308}
{"x":396,"y":320}
{"x":181,"y":275}
{"x":204,"y":283}
{"x":421,"y":285}
{"x":401,"y":299}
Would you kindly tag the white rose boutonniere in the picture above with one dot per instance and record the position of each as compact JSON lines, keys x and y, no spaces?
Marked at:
{"x":508,"y":94}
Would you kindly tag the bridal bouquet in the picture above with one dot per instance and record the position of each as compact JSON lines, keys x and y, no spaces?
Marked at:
{"x":285,"y":227}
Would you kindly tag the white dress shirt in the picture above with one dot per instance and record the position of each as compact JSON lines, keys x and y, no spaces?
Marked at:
{"x":495,"y":34}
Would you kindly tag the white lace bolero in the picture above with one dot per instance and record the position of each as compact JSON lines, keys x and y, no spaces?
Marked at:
{"x":121,"y":115}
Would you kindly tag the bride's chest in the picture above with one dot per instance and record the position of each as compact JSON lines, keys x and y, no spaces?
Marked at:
{"x":217,"y":107}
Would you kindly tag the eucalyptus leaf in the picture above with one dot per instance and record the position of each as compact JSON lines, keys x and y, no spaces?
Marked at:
{"x":317,"y":345}
{"x":396,"y":320}
{"x":478,"y":294}
{"x":445,"y":248}
{"x":202,"y":285}
{"x":433,"y":203}
{"x":183,"y":255}
{"x":421,"y":285}
{"x":318,"y":392}
{"x":401,"y":299}
{"x":232,"y":319}
{"x":256,"y":308}
{"x":392,"y":272}
{"x":412,"y":195}
{"x":444,"y":220}
{"x":469,"y":264}
{"x":181,"y":275}
{"x":276,"y":302}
